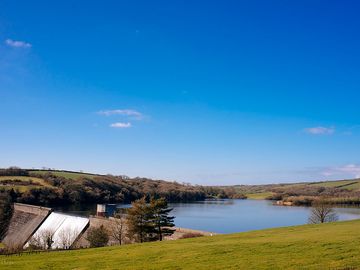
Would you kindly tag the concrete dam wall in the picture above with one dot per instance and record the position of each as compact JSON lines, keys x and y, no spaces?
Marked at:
{"x":24,"y":222}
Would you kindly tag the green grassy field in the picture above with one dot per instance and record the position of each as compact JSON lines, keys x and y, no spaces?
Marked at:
{"x":69,"y":175}
{"x":26,"y":183}
{"x":25,"y":178}
{"x":38,"y":182}
{"x":260,"y":192}
{"x":258,"y":196}
{"x":327,"y":246}
{"x":346,"y":184}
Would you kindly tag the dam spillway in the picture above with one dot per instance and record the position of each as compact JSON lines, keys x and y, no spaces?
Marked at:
{"x":64,"y":230}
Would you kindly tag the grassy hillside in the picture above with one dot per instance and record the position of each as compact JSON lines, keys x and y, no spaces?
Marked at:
{"x":45,"y":187}
{"x":258,"y":195}
{"x":22,"y":183}
{"x":352,"y":184}
{"x":327,"y":246}
{"x":335,"y":192}
{"x":346,"y":184}
{"x":66,"y":174}
{"x":52,"y":187}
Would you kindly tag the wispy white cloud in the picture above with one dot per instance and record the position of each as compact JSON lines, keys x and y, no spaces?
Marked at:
{"x":125,"y":115}
{"x":352,"y":170}
{"x":17,"y":43}
{"x":124,"y":112}
{"x":121,"y":125}
{"x":320,"y":130}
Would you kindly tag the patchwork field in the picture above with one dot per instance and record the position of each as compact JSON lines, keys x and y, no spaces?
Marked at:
{"x":22,"y":183}
{"x":265,"y":191}
{"x":258,"y":196}
{"x":66,"y":174}
{"x":346,"y":184}
{"x":327,"y":246}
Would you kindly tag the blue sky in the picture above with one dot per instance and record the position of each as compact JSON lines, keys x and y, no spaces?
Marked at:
{"x":206,"y":92}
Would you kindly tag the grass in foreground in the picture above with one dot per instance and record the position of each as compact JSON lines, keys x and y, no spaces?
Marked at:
{"x":328,"y":246}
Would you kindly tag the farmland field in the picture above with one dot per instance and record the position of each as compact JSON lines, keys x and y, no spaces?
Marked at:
{"x":66,"y":174}
{"x":22,"y":183}
{"x":258,"y":196}
{"x":346,"y":184}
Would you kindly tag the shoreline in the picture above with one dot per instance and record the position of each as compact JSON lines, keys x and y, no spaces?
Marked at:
{"x":180,"y":232}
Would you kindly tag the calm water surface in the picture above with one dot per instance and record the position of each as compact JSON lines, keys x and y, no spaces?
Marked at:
{"x":230,"y":216}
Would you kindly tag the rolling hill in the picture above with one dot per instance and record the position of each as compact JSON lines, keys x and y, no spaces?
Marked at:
{"x":59,"y":186}
{"x":340,"y":191}
{"x":325,"y":246}
{"x":51,"y":187}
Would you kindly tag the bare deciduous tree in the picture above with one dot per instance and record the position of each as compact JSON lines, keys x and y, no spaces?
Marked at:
{"x":42,"y":240}
{"x":67,"y":237}
{"x":35,"y":242}
{"x":322,"y":212}
{"x":118,"y":228}
{"x":47,"y":237}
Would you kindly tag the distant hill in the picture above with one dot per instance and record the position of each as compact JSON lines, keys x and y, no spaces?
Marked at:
{"x":52,"y":187}
{"x":46,"y":187}
{"x":350,"y":184}
{"x":337,"y":192}
{"x":66,"y":174}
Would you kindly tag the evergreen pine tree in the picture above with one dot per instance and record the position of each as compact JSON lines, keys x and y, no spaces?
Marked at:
{"x":139,"y":226}
{"x":162,"y":222}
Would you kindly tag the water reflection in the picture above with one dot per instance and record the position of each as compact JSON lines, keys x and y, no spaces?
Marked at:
{"x":245,"y":215}
{"x":229,"y":216}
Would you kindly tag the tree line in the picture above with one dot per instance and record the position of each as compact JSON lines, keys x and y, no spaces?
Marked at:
{"x":309,"y":194}
{"x":6,"y":212}
{"x":107,"y":188}
{"x":143,"y":222}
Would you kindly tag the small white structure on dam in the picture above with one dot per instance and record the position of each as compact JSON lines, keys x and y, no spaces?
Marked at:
{"x":59,"y":231}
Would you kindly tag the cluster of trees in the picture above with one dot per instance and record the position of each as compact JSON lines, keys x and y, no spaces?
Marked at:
{"x":309,"y":194}
{"x":6,"y":212}
{"x":143,"y":222}
{"x":44,"y":240}
{"x":98,"y":236}
{"x":14,"y":171}
{"x":107,"y":188}
{"x":149,"y":222}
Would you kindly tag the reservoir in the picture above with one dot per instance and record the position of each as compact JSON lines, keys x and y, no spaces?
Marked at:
{"x":231,"y":216}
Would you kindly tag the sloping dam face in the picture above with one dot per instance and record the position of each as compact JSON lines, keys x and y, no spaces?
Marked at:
{"x":24,"y":222}
{"x":64,"y":231}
